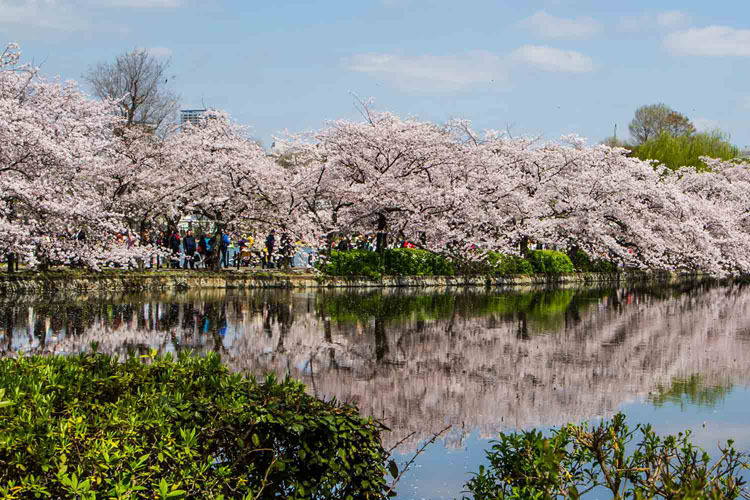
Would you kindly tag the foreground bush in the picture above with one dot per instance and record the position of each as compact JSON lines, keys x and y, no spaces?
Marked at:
{"x":578,"y":458}
{"x":90,"y":427}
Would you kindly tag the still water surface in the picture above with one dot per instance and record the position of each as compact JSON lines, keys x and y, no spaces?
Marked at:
{"x":480,"y":361}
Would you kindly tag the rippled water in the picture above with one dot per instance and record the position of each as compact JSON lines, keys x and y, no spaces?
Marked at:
{"x":481,"y":361}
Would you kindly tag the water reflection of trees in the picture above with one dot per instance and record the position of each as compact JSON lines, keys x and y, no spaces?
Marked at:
{"x":421,"y":360}
{"x":692,"y":389}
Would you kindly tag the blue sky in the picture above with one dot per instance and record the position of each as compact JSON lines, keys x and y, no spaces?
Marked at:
{"x":536,"y":67}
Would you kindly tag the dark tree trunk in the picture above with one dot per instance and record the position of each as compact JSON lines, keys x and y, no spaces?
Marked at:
{"x":215,"y":263}
{"x":525,"y":246}
{"x":382,"y":237}
{"x":43,"y":263}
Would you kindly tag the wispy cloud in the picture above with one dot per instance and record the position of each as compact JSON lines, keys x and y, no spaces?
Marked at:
{"x":67,"y":15}
{"x":552,"y":59}
{"x":450,"y":73}
{"x":433,"y":72}
{"x":548,"y":26}
{"x":160,"y":52}
{"x":139,"y":4}
{"x":705,"y":124}
{"x":653,"y":21}
{"x":48,"y":14}
{"x":714,"y":41}
{"x":672,"y":18}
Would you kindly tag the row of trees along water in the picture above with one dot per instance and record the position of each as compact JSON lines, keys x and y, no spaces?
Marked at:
{"x":75,"y":165}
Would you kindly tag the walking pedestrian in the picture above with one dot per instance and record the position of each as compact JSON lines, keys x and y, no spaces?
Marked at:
{"x":224,"y":249}
{"x":270,"y":242}
{"x":189,"y":245}
{"x":174,"y":246}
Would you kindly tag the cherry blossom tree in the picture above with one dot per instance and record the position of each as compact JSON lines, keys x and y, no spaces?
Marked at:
{"x":228,"y":178}
{"x":721,"y":209}
{"x":568,"y":194}
{"x":140,"y":181}
{"x":384,"y":174}
{"x":56,"y":141}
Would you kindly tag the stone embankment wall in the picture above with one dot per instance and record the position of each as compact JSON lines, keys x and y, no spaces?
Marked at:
{"x":130,"y":281}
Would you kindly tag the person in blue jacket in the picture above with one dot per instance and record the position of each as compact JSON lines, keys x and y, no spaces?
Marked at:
{"x":224,"y":248}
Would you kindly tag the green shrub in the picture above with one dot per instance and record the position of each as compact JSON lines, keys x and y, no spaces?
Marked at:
{"x":353,"y":263}
{"x":550,"y":262}
{"x":577,"y":458}
{"x":603,"y":266}
{"x":416,"y":262}
{"x":502,"y":264}
{"x":406,"y":262}
{"x":583,"y":263}
{"x":580,"y":259}
{"x":396,"y":262}
{"x":441,"y":265}
{"x":90,"y":427}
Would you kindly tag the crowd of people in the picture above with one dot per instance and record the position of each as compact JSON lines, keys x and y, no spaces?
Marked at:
{"x":188,"y":249}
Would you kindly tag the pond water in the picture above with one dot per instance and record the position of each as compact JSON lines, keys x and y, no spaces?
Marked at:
{"x":480,"y":361}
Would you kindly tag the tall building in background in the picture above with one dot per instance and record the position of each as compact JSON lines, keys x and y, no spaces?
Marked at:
{"x":191,"y":115}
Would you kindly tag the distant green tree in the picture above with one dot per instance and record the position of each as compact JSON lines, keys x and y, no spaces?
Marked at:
{"x":652,"y":120}
{"x":678,"y":151}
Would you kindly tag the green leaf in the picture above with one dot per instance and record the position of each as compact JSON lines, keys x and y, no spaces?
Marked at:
{"x":393,"y":469}
{"x":573,"y":492}
{"x":256,"y":440}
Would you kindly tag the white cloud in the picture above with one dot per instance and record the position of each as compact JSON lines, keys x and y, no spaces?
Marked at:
{"x":450,"y":73}
{"x":432,"y":72}
{"x":705,"y":124}
{"x":160,"y":52}
{"x":548,"y":26}
{"x":716,"y":41}
{"x":48,"y":14}
{"x":672,"y":18}
{"x":653,"y":21}
{"x":67,"y":15}
{"x":552,"y":59}
{"x":139,"y":4}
